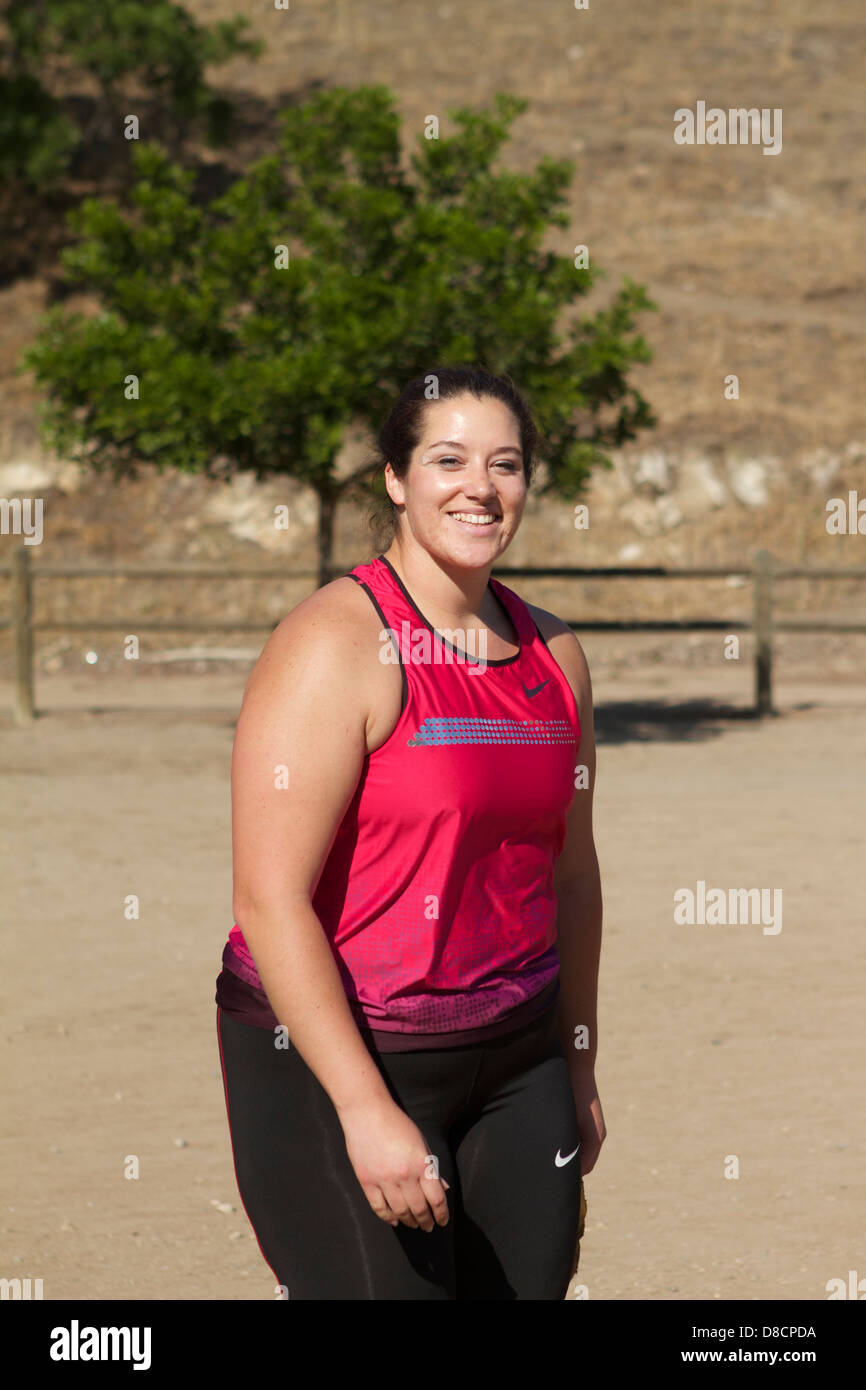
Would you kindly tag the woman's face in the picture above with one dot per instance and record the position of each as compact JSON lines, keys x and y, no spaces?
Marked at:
{"x":468,"y":460}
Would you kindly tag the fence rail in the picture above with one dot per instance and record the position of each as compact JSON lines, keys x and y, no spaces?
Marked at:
{"x":763,"y":573}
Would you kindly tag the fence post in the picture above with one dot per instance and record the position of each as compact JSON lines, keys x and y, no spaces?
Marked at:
{"x":762,"y":623}
{"x":22,"y":622}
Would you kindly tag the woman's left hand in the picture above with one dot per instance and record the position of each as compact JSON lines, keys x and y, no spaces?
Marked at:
{"x":590,"y":1120}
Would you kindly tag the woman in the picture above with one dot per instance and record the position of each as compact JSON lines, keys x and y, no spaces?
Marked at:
{"x":407,"y":1008}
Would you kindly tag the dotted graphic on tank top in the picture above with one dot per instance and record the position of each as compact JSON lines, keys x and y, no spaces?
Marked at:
{"x":436,"y":732}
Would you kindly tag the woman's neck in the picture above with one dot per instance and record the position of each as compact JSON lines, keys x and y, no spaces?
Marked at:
{"x":446,"y":594}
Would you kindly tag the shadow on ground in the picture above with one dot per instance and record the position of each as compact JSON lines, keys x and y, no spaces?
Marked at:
{"x":667,"y":721}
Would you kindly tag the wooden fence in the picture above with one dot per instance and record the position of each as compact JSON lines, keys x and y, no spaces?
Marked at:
{"x":764,"y":574}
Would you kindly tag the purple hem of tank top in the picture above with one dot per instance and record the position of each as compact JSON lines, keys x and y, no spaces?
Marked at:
{"x":523,"y":1015}
{"x":261,"y":1015}
{"x":238,"y":966}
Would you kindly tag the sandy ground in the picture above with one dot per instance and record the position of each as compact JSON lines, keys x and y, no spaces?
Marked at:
{"x":716,"y":1040}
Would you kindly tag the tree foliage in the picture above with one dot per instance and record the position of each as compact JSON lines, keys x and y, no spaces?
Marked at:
{"x":153,"y":42}
{"x":244,"y":362}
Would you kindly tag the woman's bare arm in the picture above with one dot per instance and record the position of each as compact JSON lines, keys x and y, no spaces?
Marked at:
{"x":299,"y":749}
{"x":577,"y":882}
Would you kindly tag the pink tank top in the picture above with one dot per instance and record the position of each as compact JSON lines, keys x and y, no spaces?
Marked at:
{"x":437,"y":895}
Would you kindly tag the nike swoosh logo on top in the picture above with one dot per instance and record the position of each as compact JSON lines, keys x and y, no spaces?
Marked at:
{"x":560,"y":1161}
{"x":536,"y":688}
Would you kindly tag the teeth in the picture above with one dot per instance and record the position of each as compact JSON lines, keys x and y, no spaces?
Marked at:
{"x":473,"y":519}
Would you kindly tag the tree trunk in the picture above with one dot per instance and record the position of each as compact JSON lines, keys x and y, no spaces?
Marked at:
{"x":327,"y":513}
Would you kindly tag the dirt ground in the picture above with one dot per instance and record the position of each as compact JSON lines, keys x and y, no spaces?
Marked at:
{"x":715,"y":1040}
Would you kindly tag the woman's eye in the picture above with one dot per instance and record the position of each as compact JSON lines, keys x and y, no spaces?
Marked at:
{"x":507,"y":463}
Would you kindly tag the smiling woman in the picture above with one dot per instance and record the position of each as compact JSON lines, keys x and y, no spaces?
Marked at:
{"x":417,"y":905}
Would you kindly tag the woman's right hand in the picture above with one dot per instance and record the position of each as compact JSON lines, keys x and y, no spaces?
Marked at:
{"x":391,"y":1158}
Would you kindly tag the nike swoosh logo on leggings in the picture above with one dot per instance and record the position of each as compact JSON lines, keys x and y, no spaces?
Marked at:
{"x":560,"y":1161}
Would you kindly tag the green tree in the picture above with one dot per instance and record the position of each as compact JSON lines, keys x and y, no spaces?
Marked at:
{"x":248,"y":363}
{"x":153,"y":42}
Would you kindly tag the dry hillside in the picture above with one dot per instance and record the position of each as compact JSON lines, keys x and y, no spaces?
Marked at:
{"x":755,"y":262}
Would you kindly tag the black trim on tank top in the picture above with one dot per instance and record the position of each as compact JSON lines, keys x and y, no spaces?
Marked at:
{"x":404,"y":694}
{"x":540,"y":633}
{"x":498,"y":661}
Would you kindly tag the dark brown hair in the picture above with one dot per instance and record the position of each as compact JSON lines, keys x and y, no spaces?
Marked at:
{"x":402,"y":430}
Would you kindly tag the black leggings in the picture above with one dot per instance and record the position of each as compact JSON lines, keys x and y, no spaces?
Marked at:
{"x":499,"y":1117}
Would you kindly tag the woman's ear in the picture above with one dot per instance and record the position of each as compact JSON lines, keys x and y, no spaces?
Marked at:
{"x":393,"y":485}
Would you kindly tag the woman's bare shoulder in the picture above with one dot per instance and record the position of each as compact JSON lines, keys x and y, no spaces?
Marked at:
{"x":336,"y":612}
{"x":327,"y":643}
